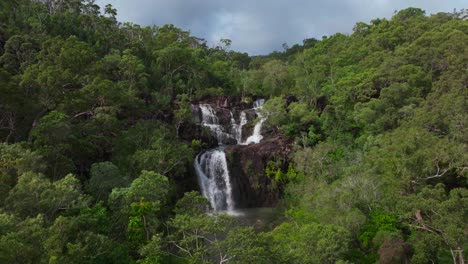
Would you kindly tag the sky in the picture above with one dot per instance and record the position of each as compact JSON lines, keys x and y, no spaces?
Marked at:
{"x":261,"y":26}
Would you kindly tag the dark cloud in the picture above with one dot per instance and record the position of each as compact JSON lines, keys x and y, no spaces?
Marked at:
{"x":261,"y":26}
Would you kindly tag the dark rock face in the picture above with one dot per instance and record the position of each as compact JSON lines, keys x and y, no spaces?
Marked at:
{"x":224,"y":116}
{"x":188,"y":132}
{"x":251,"y":187}
{"x":248,"y":128}
{"x":196,"y":114}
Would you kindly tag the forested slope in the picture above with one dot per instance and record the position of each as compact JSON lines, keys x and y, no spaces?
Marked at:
{"x":97,"y":152}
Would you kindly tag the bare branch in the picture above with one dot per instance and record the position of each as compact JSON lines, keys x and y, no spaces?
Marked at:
{"x":82,"y":113}
{"x":181,"y":248}
{"x":439,"y":173}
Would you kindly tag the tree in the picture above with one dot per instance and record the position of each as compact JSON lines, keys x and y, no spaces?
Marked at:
{"x":183,"y":113}
{"x":409,"y":158}
{"x":52,"y":140}
{"x":275,"y":110}
{"x":310,"y":243}
{"x":105,"y":176}
{"x":22,"y":241}
{"x":300,"y":118}
{"x":14,"y":161}
{"x":34,"y":194}
{"x":276,"y":77}
{"x":151,"y":146}
{"x":137,"y":208}
{"x":435,"y":213}
{"x":20,"y":52}
{"x":194,"y":235}
{"x":83,"y":238}
{"x":244,"y":245}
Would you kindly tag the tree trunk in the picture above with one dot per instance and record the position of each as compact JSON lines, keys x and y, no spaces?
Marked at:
{"x":36,"y":122}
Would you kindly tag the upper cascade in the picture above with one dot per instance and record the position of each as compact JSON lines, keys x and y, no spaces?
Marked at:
{"x":210,"y":120}
{"x":258,"y":103}
{"x":228,"y":125}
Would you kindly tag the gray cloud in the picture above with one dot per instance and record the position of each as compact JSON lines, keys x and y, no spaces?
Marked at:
{"x":259,"y":27}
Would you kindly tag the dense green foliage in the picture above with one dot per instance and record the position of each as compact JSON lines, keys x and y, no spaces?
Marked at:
{"x":94,"y":164}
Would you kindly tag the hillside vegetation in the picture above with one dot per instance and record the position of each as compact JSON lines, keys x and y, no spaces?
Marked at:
{"x":96,"y":166}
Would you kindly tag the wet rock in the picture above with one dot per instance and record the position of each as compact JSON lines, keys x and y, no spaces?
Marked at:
{"x":196,"y":114}
{"x":247,"y":130}
{"x":251,"y":186}
{"x":191,"y":131}
{"x":224,"y":117}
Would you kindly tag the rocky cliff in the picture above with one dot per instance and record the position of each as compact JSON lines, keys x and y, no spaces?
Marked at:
{"x":247,"y":164}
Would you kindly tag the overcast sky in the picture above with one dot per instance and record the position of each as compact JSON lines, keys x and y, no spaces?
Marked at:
{"x":261,"y":26}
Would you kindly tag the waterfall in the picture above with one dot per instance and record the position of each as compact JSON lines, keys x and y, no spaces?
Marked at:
{"x":213,"y":176}
{"x":238,"y":127}
{"x":210,"y":120}
{"x":211,"y":166}
{"x":258,"y":103}
{"x":208,"y":114}
{"x":256,"y":136}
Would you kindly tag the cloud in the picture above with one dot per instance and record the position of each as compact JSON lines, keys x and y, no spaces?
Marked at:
{"x":261,"y":26}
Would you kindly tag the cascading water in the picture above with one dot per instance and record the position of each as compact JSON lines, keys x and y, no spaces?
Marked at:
{"x":256,"y":136}
{"x":211,"y":166}
{"x":238,"y":127}
{"x":258,"y":103}
{"x":213,"y":175}
{"x":210,"y":120}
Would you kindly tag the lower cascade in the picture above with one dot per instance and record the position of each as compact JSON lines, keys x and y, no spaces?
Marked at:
{"x":211,"y":165}
{"x":213,"y":176}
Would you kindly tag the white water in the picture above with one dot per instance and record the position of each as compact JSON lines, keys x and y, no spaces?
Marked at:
{"x":210,"y":120}
{"x":211,"y":166}
{"x":238,"y":131}
{"x":213,"y":176}
{"x":258,"y":103}
{"x":256,"y":136}
{"x":208,"y":114}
